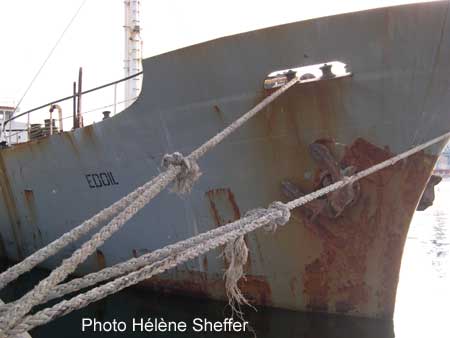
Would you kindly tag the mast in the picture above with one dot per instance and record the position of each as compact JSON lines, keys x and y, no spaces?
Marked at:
{"x":133,"y":50}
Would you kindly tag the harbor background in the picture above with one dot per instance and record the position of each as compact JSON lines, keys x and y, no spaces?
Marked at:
{"x":423,"y":298}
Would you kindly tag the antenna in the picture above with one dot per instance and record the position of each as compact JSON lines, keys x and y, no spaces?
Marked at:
{"x":133,"y":50}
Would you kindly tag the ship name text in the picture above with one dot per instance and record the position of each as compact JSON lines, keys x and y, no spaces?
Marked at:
{"x":102,"y":179}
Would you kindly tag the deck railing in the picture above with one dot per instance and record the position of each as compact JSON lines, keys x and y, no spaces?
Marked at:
{"x":6,"y":125}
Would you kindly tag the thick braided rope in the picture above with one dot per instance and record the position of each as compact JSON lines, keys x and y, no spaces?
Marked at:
{"x":82,"y":300}
{"x":42,"y":254}
{"x":139,"y":262}
{"x":22,"y":334}
{"x":271,"y":216}
{"x":40,"y":291}
{"x":149,"y":258}
{"x":38,"y":294}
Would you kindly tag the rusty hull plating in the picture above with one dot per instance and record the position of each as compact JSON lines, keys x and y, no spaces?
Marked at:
{"x":347,"y":263}
{"x":356,"y":268}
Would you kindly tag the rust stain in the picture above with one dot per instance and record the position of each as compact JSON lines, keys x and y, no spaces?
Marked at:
{"x":27,"y":146}
{"x":69,"y":137}
{"x":224,"y":209}
{"x":224,"y":199}
{"x":375,"y":226}
{"x":205,"y":263}
{"x":88,"y":133}
{"x":11,"y":207}
{"x":190,"y":283}
{"x":320,"y":102}
{"x":32,"y":217}
{"x":200,"y":284}
{"x":28,"y":195}
{"x":38,"y":145}
{"x":214,"y":211}
{"x":219,"y":113}
{"x":256,"y":289}
{"x":316,"y":287}
{"x":101,"y":261}
{"x":2,"y":251}
{"x":306,"y":112}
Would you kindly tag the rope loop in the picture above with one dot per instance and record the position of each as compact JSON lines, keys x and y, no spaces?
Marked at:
{"x":189,"y":174}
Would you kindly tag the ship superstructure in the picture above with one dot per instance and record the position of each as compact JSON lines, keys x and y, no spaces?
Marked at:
{"x":15,"y":132}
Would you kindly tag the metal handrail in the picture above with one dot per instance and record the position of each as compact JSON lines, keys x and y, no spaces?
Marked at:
{"x":17,"y":132}
{"x":68,"y":98}
{"x":102,"y":107}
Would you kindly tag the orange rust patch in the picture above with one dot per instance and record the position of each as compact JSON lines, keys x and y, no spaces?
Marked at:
{"x":28,"y":195}
{"x":256,"y":290}
{"x":190,"y":283}
{"x":316,"y":286}
{"x":376,"y":226}
{"x":101,"y":261}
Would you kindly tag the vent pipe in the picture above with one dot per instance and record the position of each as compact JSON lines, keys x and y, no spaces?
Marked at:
{"x":133,"y":50}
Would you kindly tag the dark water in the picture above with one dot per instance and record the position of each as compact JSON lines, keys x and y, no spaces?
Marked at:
{"x":422,"y":308}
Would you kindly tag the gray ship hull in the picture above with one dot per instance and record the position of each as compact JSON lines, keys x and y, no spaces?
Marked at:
{"x":398,"y":96}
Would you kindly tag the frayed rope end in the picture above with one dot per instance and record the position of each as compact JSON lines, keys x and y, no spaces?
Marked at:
{"x":236,"y":254}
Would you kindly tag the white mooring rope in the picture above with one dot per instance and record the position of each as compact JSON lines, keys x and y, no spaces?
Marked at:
{"x":42,"y":254}
{"x":82,"y":300}
{"x":277,"y":213}
{"x":155,"y":186}
{"x":133,"y":264}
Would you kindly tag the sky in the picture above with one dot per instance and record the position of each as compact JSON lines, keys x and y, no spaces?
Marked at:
{"x":95,"y":41}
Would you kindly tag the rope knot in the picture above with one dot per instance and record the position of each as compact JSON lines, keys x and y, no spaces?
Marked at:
{"x":279,"y":221}
{"x":189,"y":174}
